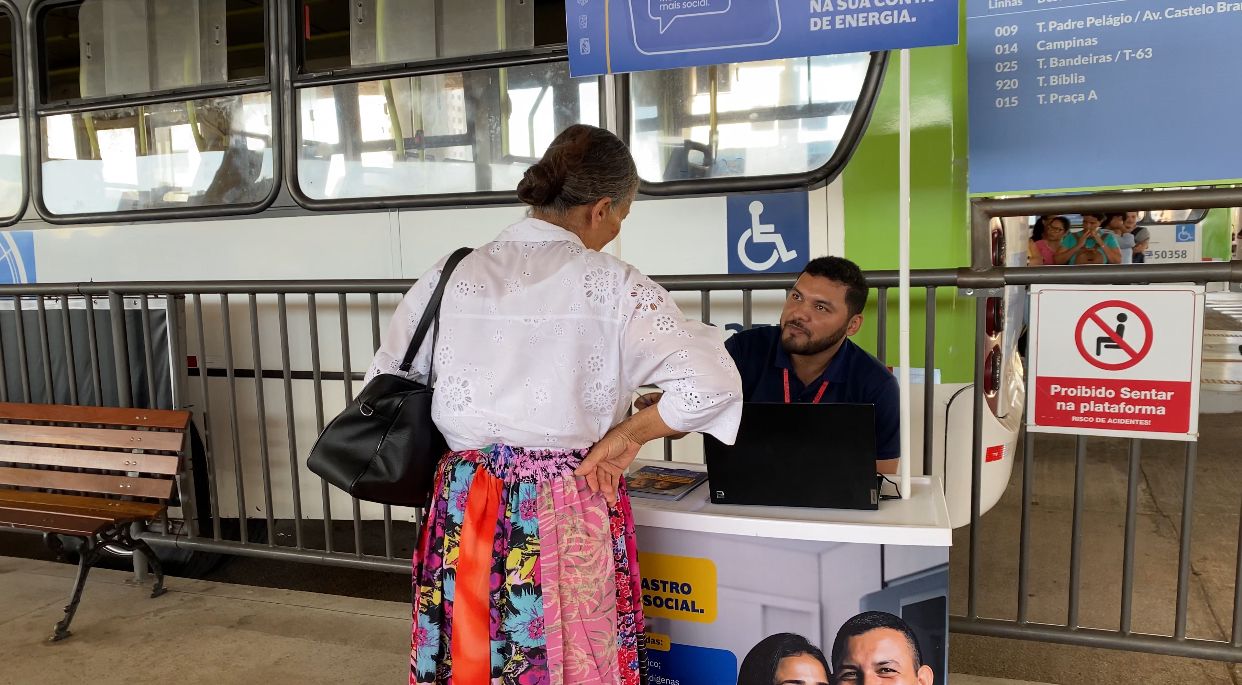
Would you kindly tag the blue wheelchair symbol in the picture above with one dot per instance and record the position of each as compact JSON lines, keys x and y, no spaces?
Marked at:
{"x":762,"y":233}
{"x":768,"y":233}
{"x":1185,"y":233}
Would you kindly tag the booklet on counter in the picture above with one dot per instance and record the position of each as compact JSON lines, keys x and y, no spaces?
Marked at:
{"x":659,"y":482}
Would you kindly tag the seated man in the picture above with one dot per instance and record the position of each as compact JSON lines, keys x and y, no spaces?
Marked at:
{"x":810,"y":358}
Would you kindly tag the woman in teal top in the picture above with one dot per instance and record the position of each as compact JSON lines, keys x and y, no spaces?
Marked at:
{"x":1091,"y":245}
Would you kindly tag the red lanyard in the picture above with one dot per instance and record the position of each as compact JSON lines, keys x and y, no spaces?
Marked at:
{"x":818,"y":396}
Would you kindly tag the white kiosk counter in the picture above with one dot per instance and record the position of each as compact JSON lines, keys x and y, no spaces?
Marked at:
{"x":717,"y":579}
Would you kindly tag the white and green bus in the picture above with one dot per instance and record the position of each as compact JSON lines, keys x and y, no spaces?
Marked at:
{"x":287,"y":141}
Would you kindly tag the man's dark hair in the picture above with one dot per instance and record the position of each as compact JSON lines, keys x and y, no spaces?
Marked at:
{"x":1098,"y":215}
{"x":867,"y":622}
{"x":759,"y":666}
{"x":845,"y":272}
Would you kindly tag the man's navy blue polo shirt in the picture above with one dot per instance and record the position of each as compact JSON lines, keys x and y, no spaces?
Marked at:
{"x":853,"y":376}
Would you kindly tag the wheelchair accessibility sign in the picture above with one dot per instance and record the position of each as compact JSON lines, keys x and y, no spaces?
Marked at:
{"x":768,"y":233}
{"x":17,"y":257}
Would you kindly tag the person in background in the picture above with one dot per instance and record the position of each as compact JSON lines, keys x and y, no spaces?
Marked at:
{"x":878,"y":647}
{"x":526,"y":569}
{"x":1089,"y":246}
{"x":784,"y":659}
{"x":1116,"y":224}
{"x":1046,"y":238}
{"x":1142,"y":237}
{"x":1033,"y":257}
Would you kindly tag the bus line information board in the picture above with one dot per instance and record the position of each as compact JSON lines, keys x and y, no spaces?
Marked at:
{"x":1084,"y":94}
{"x":613,"y":36}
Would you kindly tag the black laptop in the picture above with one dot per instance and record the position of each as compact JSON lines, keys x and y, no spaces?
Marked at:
{"x":797,"y":455}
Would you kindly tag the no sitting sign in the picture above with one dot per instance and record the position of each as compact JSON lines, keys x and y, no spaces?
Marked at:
{"x":1116,"y":360}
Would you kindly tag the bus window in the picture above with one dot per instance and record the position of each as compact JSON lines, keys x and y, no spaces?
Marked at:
{"x":458,"y":132}
{"x":755,"y":119}
{"x":1174,"y":216}
{"x":338,"y":35}
{"x":8,"y":82}
{"x":214,"y":151}
{"x":182,"y":148}
{"x":101,"y":48}
{"x":12,"y":187}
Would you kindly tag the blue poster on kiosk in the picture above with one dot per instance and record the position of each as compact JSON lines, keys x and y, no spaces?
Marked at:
{"x":1087,"y":95}
{"x":713,"y":600}
{"x":613,"y":36}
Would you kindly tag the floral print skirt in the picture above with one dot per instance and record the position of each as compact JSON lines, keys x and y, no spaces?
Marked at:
{"x":525,"y":576}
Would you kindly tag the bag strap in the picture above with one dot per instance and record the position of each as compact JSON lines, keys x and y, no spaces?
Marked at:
{"x":432,"y":312}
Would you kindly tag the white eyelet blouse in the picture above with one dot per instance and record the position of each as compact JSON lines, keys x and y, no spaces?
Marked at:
{"x":543,"y":341}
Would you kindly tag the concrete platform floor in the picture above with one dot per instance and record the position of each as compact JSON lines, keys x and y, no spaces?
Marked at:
{"x":199,"y":632}
{"x":1213,"y":555}
{"x":1224,"y":311}
{"x":1222,"y":342}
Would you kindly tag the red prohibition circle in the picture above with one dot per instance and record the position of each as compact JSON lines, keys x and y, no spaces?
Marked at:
{"x":1089,"y":315}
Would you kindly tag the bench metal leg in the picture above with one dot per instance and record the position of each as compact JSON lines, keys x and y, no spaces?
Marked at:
{"x":139,"y":556}
{"x":143,"y":548}
{"x":88,"y":556}
{"x":53,"y":543}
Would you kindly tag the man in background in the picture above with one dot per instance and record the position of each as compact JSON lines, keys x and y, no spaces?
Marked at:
{"x":1142,"y":237}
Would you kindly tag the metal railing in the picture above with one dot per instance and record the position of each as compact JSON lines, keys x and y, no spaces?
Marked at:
{"x":271,"y":308}
{"x":223,"y":341}
{"x":1072,"y":632}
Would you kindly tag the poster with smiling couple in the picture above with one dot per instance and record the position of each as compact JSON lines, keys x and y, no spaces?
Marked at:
{"x":723,"y":609}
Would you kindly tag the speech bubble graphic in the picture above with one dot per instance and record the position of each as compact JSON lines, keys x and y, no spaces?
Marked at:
{"x":665,"y":12}
{"x":709,"y":25}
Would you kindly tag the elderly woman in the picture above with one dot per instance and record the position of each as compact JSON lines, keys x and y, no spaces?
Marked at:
{"x":527,"y":570}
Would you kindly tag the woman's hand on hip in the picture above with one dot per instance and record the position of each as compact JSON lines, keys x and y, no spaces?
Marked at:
{"x":605,"y":463}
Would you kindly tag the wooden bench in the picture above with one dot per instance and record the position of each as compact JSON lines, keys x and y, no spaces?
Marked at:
{"x":88,"y":472}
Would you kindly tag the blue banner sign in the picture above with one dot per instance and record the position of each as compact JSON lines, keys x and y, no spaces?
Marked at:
{"x":610,"y":36}
{"x":1082,"y":94}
